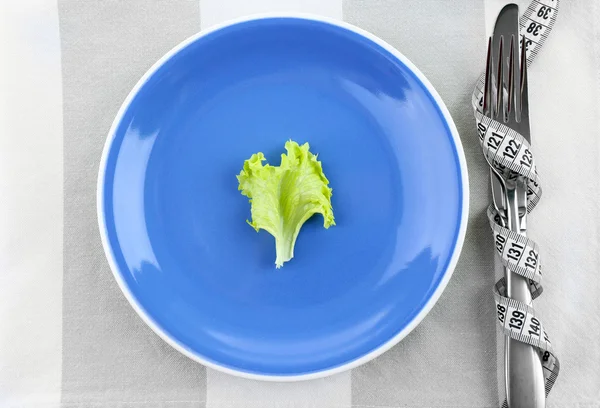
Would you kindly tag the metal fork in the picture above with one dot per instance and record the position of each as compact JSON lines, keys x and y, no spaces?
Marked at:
{"x":506,"y":101}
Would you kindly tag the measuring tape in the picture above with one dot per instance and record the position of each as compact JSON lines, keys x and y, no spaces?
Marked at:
{"x":510,"y":154}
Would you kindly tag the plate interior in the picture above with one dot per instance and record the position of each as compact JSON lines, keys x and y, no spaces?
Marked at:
{"x":176,"y":224}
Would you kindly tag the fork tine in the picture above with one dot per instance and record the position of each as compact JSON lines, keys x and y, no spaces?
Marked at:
{"x":489,"y":100}
{"x":524,"y":108}
{"x":516,"y":88}
{"x":487,"y":87}
{"x":500,"y":83}
{"x":511,"y":77}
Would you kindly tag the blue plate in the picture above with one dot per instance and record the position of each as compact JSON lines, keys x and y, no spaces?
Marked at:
{"x":174,"y":225}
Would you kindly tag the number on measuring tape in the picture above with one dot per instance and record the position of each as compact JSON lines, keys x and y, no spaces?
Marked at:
{"x":509,"y":153}
{"x":530,"y":260}
{"x":494,"y":141}
{"x":520,"y":322}
{"x":481,"y":128}
{"x":501,"y":313}
{"x":516,"y":319}
{"x":526,"y":159}
{"x":515,"y":250}
{"x":533,"y":326}
{"x":528,"y":44}
{"x":500,"y":241}
{"x":543,"y":12}
{"x":518,"y":253}
{"x":540,"y":13}
{"x":535,"y":30}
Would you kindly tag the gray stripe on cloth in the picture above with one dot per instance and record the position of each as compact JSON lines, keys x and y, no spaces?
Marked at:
{"x":452,"y":353}
{"x":110,"y":357}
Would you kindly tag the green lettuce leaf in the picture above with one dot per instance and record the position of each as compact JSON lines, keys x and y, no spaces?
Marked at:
{"x":283,"y":197}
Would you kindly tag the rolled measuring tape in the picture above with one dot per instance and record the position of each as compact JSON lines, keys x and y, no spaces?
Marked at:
{"x":510,"y":153}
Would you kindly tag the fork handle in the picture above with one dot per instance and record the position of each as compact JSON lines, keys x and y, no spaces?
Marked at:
{"x":523,"y":367}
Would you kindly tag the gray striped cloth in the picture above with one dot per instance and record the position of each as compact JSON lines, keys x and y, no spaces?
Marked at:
{"x":68,"y":337}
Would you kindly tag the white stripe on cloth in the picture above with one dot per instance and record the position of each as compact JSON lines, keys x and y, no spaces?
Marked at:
{"x":31,"y":204}
{"x":224,"y":390}
{"x":217,"y":11}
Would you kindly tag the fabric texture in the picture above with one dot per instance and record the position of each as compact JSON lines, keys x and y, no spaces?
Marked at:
{"x":103,"y":56}
{"x":68,"y":337}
